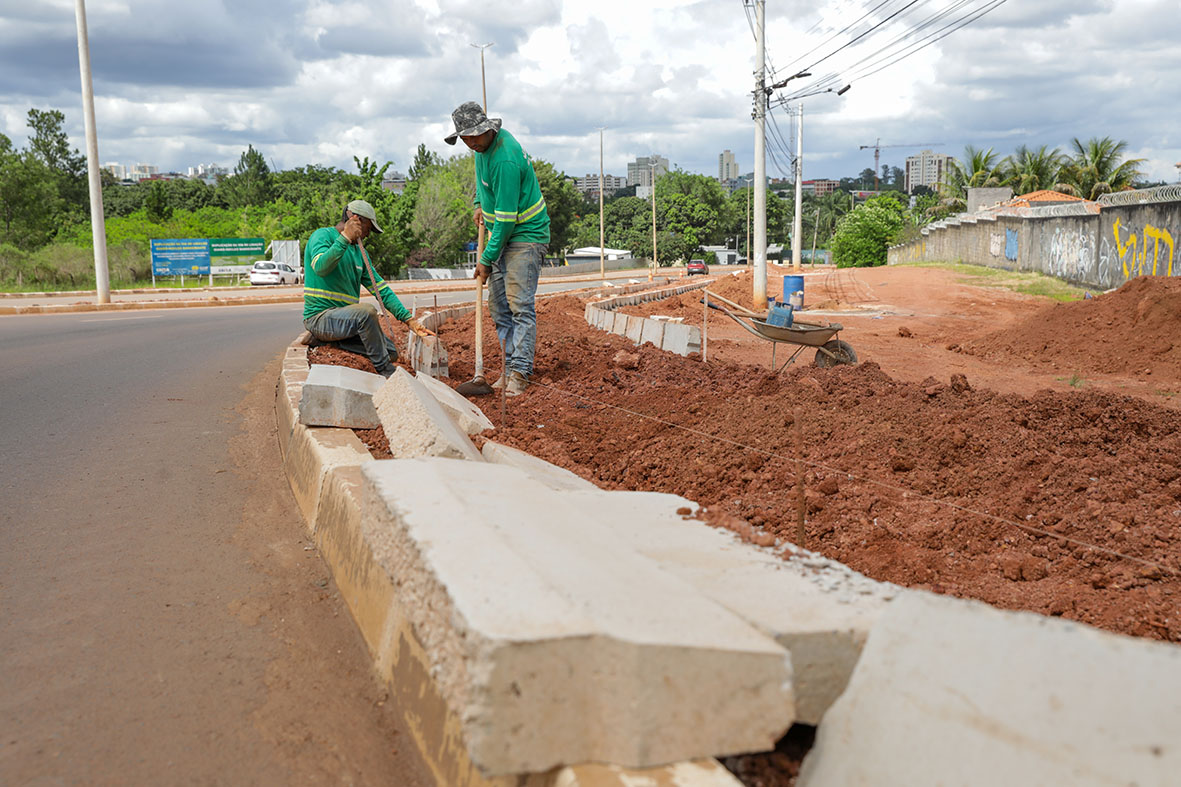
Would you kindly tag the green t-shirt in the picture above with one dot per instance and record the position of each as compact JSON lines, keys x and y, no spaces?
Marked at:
{"x":334,"y":272}
{"x":509,"y":196}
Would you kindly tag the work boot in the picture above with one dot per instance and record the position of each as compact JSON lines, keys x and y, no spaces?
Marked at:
{"x":499,"y":383}
{"x":517,"y":383}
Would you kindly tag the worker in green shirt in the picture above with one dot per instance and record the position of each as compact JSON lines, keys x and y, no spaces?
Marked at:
{"x":335,"y":267}
{"x":509,"y":202}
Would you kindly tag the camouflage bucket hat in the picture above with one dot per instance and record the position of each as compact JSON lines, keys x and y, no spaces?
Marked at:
{"x":470,"y":121}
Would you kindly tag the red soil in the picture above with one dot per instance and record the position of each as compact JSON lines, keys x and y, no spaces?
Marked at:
{"x":1064,"y":502}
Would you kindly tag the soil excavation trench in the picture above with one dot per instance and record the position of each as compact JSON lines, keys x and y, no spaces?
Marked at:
{"x":1078,"y":491}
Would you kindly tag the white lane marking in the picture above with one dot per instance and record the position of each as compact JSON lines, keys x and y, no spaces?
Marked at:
{"x":117,"y":319}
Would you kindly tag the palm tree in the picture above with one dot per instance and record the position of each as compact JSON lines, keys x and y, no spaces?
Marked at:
{"x":1098,"y":167}
{"x":978,"y":169}
{"x":1033,"y":170}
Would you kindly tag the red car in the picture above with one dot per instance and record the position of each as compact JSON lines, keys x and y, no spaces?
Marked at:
{"x":696,"y":266}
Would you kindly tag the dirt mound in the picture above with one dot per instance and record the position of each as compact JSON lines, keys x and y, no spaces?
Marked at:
{"x":1130,"y":331}
{"x":1060,"y":503}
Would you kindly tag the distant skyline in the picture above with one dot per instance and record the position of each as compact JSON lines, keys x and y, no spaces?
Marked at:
{"x":319,"y":81}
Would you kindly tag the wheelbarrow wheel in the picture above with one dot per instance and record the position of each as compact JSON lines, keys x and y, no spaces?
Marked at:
{"x":838,"y":352}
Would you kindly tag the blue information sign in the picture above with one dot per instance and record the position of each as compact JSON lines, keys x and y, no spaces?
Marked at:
{"x":183,"y":257}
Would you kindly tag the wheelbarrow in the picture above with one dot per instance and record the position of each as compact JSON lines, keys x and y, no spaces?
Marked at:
{"x":830,"y":350}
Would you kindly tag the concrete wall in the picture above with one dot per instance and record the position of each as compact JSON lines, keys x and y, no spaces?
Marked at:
{"x":1101,"y":250}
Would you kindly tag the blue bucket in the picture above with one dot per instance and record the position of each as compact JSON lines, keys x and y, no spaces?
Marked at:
{"x":792,"y":284}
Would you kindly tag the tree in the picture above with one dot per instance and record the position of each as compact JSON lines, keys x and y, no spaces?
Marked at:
{"x":424,"y":161}
{"x":156,"y":203}
{"x":863,"y":236}
{"x":29,"y":200}
{"x":866,"y":177}
{"x":1098,"y":167}
{"x":51,"y":146}
{"x":562,"y":202}
{"x":251,"y":182}
{"x":977,"y":169}
{"x":443,"y":212}
{"x":1030,"y":170}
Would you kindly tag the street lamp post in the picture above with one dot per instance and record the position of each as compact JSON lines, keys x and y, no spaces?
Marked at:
{"x":98,"y":227}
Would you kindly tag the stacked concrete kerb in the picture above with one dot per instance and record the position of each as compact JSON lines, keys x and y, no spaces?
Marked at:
{"x":325,"y":468}
{"x":673,"y":337}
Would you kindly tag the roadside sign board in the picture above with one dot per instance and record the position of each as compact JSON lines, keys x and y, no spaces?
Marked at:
{"x":218,"y":270}
{"x":237,"y":247}
{"x":180,"y":257}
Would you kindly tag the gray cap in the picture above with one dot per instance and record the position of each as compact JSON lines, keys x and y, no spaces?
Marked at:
{"x":470,"y":121}
{"x":363,"y":208}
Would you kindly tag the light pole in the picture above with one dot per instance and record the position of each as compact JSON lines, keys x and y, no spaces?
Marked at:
{"x":652,"y":272}
{"x":98,"y":226}
{"x":759,"y":280}
{"x":797,"y":224}
{"x":602,"y":233}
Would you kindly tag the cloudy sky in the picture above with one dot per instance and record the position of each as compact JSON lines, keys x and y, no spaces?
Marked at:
{"x":181,"y":82}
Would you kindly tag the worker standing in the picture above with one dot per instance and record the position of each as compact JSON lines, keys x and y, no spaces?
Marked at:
{"x":509,"y":199}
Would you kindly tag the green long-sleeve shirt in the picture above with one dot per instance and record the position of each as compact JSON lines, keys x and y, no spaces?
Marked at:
{"x":509,"y":196}
{"x":334,"y":272}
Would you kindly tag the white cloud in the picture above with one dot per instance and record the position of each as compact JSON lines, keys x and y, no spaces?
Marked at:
{"x":319,"y":81}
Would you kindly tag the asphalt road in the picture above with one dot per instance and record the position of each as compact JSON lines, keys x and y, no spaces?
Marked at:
{"x":163,"y":618}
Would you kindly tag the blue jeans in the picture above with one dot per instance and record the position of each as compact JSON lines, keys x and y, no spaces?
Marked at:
{"x":355,"y":329}
{"x":512,"y":286}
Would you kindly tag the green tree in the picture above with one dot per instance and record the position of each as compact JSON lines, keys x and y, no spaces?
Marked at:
{"x":562,"y":202}
{"x":29,"y":201}
{"x":863,"y":236}
{"x":1030,"y":170}
{"x":156,"y":203}
{"x":424,"y":161}
{"x":251,"y":182}
{"x":1099,"y":166}
{"x":977,"y":169}
{"x":443,"y":211}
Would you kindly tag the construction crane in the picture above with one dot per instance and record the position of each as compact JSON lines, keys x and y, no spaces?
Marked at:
{"x":877,"y":154}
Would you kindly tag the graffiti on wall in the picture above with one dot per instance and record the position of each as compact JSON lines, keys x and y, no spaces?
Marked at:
{"x":1011,"y":245}
{"x":996,"y":244}
{"x":1071,"y":253}
{"x":1133,"y":250}
{"x":913,"y":252}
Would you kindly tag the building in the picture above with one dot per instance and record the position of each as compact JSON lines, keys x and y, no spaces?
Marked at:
{"x":395,"y":182}
{"x":143,"y":171}
{"x":639,"y":172}
{"x":116,"y":169}
{"x":926,"y":169}
{"x":589,"y":184}
{"x":727,"y":167}
{"x":207,"y":172}
{"x":820,"y":188}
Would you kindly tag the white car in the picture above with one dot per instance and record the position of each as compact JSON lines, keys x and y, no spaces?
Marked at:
{"x":274,"y":273}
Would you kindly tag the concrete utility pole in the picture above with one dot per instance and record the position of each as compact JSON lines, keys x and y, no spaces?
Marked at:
{"x":602,"y":234}
{"x":98,"y":225}
{"x":798,"y":224}
{"x":652,"y":272}
{"x":760,"y":115}
{"x":747,"y":228}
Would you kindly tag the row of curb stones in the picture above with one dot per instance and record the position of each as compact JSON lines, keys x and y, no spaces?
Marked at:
{"x":672,"y":337}
{"x":945,"y":689}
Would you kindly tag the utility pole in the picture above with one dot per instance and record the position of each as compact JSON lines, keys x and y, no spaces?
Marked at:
{"x":747,"y":227}
{"x":760,"y":116}
{"x":602,"y":233}
{"x":798,"y":224}
{"x":98,"y":225}
{"x":652,"y":272}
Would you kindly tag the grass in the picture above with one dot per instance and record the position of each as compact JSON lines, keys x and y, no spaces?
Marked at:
{"x":1026,"y":283}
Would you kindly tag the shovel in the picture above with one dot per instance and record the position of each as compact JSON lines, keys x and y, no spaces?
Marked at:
{"x":478,"y":386}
